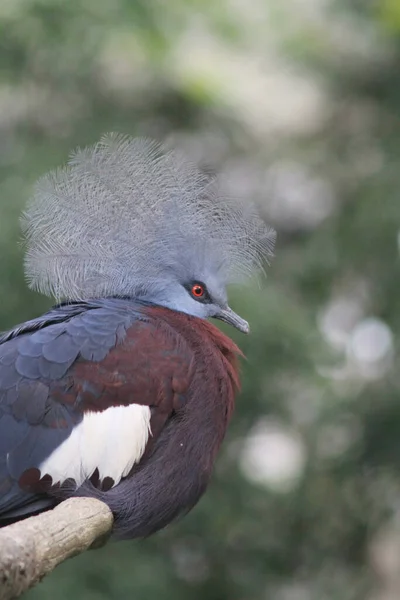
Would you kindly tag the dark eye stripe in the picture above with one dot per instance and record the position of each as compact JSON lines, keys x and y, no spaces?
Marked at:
{"x":203,"y":297}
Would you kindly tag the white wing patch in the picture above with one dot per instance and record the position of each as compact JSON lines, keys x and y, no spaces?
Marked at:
{"x":111,"y":441}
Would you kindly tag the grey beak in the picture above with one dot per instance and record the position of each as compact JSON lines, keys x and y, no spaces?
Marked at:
{"x":228,"y":316}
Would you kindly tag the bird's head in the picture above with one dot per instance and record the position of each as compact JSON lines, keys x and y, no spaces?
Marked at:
{"x":202,"y":297}
{"x":127,"y":217}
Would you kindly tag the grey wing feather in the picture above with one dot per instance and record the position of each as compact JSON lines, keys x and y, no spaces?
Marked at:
{"x":32,"y":423}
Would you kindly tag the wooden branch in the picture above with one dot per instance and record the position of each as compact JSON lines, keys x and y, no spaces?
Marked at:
{"x":34,"y":547}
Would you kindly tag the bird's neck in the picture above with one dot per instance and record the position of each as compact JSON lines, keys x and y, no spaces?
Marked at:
{"x":198,"y":332}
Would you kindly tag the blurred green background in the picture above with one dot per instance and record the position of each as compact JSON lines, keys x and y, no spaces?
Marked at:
{"x":297,"y":104}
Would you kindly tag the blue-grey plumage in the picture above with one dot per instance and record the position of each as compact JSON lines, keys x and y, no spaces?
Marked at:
{"x":124,"y":390}
{"x":33,"y":358}
{"x":128,"y":217}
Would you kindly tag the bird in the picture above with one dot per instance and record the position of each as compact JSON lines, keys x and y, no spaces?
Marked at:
{"x":124,"y":389}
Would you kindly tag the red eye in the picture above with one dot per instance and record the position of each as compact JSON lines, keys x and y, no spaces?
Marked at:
{"x":198,"y":290}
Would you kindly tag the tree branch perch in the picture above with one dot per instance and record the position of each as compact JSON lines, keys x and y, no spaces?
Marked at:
{"x":32,"y":548}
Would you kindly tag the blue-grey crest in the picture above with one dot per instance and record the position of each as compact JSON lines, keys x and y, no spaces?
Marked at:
{"x":128,"y":217}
